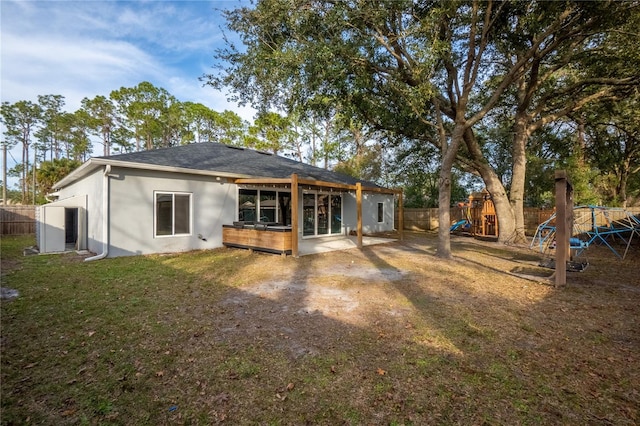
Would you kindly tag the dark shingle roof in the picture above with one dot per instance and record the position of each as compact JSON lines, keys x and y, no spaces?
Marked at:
{"x":217,"y":157}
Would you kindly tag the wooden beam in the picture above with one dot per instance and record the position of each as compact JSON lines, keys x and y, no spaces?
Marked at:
{"x":401,"y":213}
{"x":323,"y":184}
{"x":381,"y":190}
{"x":259,"y":181}
{"x":312,"y":182}
{"x":294,"y":215}
{"x":562,"y":236}
{"x":359,"y":212}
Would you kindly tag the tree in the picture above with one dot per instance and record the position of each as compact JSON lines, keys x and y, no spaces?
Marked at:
{"x":270,"y":132}
{"x":576,"y":57}
{"x":405,"y":68}
{"x":50,"y":129}
{"x":151,"y":113}
{"x":20,"y":120}
{"x":428,"y":71}
{"x":101,"y":114}
{"x":53,"y":171}
{"x":612,"y":144}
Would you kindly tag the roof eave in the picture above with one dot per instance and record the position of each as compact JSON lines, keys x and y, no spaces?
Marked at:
{"x":94,"y":163}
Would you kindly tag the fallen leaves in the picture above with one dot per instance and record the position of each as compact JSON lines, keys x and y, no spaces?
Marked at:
{"x":381,"y":372}
{"x":280,"y":393}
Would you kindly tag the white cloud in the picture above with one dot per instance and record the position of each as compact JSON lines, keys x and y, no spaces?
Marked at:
{"x":36,"y":65}
{"x":82,"y":49}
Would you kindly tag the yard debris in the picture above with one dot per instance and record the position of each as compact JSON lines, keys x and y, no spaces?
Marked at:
{"x":8,"y":293}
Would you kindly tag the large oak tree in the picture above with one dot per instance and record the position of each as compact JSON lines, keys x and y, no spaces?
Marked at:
{"x":426,"y":70}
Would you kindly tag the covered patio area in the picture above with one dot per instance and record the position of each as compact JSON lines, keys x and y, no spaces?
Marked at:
{"x":315,"y":222}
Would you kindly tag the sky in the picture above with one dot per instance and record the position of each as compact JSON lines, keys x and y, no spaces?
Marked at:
{"x":86,"y":48}
{"x":81,"y":49}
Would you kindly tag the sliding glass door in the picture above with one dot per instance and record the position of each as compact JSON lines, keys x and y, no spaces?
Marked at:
{"x":321,"y":214}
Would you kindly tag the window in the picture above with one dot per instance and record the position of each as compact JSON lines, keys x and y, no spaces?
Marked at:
{"x":308,"y":214}
{"x":268,"y":206}
{"x":247,"y":200}
{"x":258,"y":205}
{"x":321,"y":214}
{"x":336,"y":214}
{"x":380,"y":212}
{"x":173,"y":213}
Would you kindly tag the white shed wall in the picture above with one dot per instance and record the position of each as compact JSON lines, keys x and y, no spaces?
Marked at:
{"x":89,"y":190}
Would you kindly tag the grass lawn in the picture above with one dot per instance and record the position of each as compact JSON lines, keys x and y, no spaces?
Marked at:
{"x":387,"y":335}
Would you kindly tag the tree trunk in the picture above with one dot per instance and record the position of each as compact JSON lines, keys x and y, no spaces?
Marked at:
{"x":518,"y":179}
{"x":504,"y":212}
{"x":4,"y":174}
{"x":449,"y":152}
{"x":622,"y":185}
{"x":25,"y":167}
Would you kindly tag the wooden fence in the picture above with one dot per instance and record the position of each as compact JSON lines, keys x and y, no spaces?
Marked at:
{"x":17,"y":220}
{"x":427,"y":219}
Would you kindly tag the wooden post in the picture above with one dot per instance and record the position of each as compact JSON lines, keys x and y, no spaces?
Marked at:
{"x":359,"y":212}
{"x":294,"y":215}
{"x":401,"y":213}
{"x":562,"y":234}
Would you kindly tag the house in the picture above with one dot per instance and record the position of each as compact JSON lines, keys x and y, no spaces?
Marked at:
{"x":203,"y":196}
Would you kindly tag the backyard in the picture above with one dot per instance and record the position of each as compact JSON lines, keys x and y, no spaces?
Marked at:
{"x":387,"y":335}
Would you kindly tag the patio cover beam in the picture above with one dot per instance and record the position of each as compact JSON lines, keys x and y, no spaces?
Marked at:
{"x":312,"y":182}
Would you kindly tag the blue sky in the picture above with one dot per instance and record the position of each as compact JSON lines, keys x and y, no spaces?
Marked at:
{"x":86,"y":48}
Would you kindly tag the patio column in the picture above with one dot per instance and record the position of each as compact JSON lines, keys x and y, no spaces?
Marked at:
{"x":401,"y":214}
{"x":359,"y":212}
{"x":564,"y":201}
{"x":294,"y":215}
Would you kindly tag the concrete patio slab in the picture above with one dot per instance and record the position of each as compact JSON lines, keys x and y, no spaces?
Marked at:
{"x":335,"y":243}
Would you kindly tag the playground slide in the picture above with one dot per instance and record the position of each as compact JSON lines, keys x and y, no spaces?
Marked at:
{"x":459,"y":224}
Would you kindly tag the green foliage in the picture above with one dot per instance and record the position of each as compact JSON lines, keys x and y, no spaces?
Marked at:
{"x":270,"y":132}
{"x":53,"y":171}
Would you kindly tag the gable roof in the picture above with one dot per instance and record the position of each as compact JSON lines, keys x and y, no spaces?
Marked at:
{"x":214,"y":158}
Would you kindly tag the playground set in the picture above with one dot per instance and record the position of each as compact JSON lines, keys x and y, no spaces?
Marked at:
{"x":479,"y":216}
{"x":609,"y":226}
{"x":567,"y":233}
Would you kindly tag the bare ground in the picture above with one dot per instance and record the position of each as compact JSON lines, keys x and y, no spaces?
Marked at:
{"x":511,"y":342}
{"x":387,"y":335}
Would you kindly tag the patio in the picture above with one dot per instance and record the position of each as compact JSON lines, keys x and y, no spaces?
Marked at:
{"x":338,"y":242}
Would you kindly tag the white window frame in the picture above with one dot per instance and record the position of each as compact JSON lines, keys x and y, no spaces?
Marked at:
{"x":258,"y":207}
{"x":315,"y":212}
{"x":173,"y":213}
{"x":380,"y":216}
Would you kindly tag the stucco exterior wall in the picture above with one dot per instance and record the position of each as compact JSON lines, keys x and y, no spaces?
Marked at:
{"x":370,"y":222}
{"x":91,"y":188}
{"x":131,"y":215}
{"x":132,"y":211}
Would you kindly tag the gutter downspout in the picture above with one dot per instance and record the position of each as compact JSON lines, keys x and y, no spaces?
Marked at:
{"x":105,"y":217}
